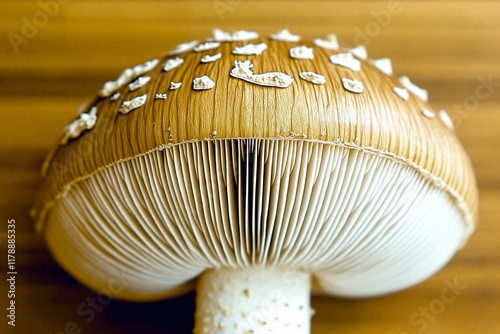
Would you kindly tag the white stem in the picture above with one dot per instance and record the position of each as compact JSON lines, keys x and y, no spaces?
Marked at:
{"x":254,"y":300}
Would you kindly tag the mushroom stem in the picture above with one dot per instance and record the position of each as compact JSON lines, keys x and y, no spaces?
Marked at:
{"x":253,"y":300}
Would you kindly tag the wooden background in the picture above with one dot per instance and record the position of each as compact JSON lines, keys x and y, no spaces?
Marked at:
{"x":442,"y":45}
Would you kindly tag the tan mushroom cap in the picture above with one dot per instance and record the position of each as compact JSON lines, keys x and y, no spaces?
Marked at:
{"x":376,"y":121}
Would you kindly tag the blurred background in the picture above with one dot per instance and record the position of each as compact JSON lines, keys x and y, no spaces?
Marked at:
{"x":55,"y":55}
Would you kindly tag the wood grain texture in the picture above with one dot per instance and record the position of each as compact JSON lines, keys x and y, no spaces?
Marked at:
{"x":442,"y":45}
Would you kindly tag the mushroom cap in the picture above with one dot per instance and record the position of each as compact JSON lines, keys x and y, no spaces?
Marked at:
{"x":329,"y":165}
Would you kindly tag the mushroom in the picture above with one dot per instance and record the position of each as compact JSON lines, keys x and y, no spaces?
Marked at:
{"x":263,"y":177}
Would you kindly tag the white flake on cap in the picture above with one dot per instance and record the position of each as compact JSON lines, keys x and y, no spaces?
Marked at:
{"x":302,"y":52}
{"x":285,"y":36}
{"x":203,"y":83}
{"x":128,"y":74}
{"x":138,"y":83}
{"x":161,"y":96}
{"x":242,"y":70}
{"x":237,"y":36}
{"x":146,"y":67}
{"x":183,"y":47}
{"x":353,"y":85}
{"x":360,"y":52}
{"x":206,"y":46}
{"x":346,"y":60}
{"x":384,"y":65}
{"x":211,"y":58}
{"x":136,"y":102}
{"x":330,"y":43}
{"x":446,"y":119}
{"x":175,"y":85}
{"x":402,"y":93}
{"x":313,"y":77}
{"x":427,"y":113}
{"x":115,"y":96}
{"x":250,"y":49}
{"x":85,"y":121}
{"x":173,"y":63}
{"x":414,"y":89}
